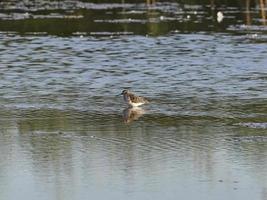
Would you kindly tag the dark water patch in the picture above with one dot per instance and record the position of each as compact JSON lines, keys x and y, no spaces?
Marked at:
{"x":69,"y":17}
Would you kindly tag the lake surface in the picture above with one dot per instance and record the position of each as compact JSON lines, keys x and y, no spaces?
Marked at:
{"x":66,"y":134}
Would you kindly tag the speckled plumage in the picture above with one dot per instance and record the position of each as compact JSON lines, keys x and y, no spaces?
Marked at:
{"x":133,"y":100}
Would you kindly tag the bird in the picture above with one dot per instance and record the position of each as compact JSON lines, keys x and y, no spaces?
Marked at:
{"x":132,"y":100}
{"x":220,"y":16}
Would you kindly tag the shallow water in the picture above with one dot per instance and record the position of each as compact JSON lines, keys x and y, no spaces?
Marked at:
{"x":65,"y":134}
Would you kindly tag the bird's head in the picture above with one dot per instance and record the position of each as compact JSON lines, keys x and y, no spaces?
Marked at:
{"x":124,"y":92}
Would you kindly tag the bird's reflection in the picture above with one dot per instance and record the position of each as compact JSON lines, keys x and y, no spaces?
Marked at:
{"x":131,"y":114}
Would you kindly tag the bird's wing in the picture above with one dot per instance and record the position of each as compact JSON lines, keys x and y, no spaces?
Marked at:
{"x":136,"y":99}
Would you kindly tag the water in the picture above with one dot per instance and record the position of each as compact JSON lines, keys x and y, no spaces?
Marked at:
{"x":65,"y":134}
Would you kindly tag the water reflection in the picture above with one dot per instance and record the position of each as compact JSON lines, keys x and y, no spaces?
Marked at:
{"x":131,"y":114}
{"x":144,"y":18}
{"x":76,"y":154}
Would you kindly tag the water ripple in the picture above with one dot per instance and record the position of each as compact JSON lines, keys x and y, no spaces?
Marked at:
{"x":50,"y":72}
{"x":253,"y":125}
